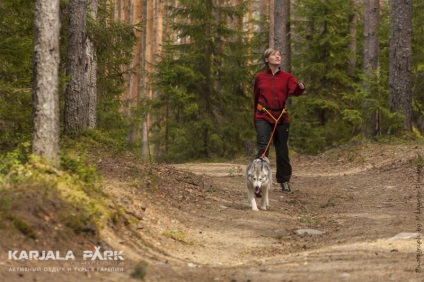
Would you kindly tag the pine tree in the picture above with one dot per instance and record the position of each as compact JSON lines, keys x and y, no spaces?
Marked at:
{"x":370,"y":124}
{"x":113,"y":42}
{"x":76,"y":97}
{"x":400,"y":71}
{"x":200,"y":80}
{"x":282,"y":38}
{"x":45,"y":138}
{"x":16,"y":49}
{"x":418,"y":64}
{"x":321,"y":60}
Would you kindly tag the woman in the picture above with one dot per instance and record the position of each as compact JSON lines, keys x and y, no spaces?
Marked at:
{"x":271,"y":91}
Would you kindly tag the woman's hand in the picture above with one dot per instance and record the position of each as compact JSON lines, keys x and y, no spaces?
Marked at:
{"x":301,"y":85}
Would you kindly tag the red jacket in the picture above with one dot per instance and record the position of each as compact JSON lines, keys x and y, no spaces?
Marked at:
{"x":272,"y":91}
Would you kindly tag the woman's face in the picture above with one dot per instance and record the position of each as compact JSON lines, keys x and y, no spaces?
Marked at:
{"x":274,"y":59}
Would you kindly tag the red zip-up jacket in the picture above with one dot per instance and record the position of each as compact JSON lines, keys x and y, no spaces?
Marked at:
{"x":272,"y":91}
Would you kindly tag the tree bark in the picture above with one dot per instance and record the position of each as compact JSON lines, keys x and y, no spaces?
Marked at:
{"x":91,"y":73}
{"x":400,"y":60}
{"x":158,"y":50}
{"x":148,"y":52}
{"x":250,"y":26}
{"x":45,"y":137}
{"x":282,"y":32}
{"x":353,"y":23}
{"x":370,"y":126}
{"x":271,"y":22}
{"x":76,"y":99}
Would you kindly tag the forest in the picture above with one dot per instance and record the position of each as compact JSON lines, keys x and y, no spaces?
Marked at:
{"x":173,"y":79}
{"x":125,"y":125}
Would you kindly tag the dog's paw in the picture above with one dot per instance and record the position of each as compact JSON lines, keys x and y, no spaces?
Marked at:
{"x":263,"y":208}
{"x":255,"y":209}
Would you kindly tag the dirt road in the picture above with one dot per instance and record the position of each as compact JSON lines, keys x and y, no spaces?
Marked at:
{"x":355,"y":214}
{"x":359,"y":200}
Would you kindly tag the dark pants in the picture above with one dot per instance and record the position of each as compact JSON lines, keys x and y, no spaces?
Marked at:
{"x":280,"y":140}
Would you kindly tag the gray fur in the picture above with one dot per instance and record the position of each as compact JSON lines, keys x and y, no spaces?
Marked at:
{"x":259,"y":181}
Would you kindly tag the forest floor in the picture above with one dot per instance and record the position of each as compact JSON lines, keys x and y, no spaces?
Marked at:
{"x":192,"y":222}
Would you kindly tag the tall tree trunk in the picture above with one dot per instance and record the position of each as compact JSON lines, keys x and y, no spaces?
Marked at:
{"x":45,"y":135}
{"x":207,"y":87}
{"x":91,"y":73}
{"x":169,"y":35}
{"x":158,"y":50}
{"x":282,"y":32}
{"x":250,"y":28}
{"x":131,"y":95}
{"x":145,"y":150}
{"x":134,"y":78}
{"x":159,"y":26}
{"x":271,"y":4}
{"x":353,"y":23}
{"x":400,"y":59}
{"x":76,"y":99}
{"x":370,"y":126}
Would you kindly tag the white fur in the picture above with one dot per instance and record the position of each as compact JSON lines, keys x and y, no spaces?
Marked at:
{"x":258,"y":176}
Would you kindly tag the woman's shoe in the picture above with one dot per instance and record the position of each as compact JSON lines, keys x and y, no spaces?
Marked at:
{"x":285,"y":187}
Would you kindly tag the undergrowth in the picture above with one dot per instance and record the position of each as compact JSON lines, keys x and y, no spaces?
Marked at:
{"x":75,"y":185}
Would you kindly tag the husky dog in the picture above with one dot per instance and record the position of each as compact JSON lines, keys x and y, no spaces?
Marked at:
{"x":259,"y":178}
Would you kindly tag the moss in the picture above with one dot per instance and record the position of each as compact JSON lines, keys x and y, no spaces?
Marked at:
{"x":5,"y":204}
{"x":309,"y":220}
{"x":177,"y":235}
{"x":78,"y":222}
{"x":139,"y":271}
{"x":22,"y":226}
{"x":62,"y":202}
{"x":74,"y":187}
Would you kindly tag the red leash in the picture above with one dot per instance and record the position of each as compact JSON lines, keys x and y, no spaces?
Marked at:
{"x":262,"y":108}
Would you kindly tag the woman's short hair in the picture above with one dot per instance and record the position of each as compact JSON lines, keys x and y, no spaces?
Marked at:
{"x":268,"y":52}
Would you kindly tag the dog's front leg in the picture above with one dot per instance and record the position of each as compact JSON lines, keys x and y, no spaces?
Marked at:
{"x":265,"y":200}
{"x":251,"y":198}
